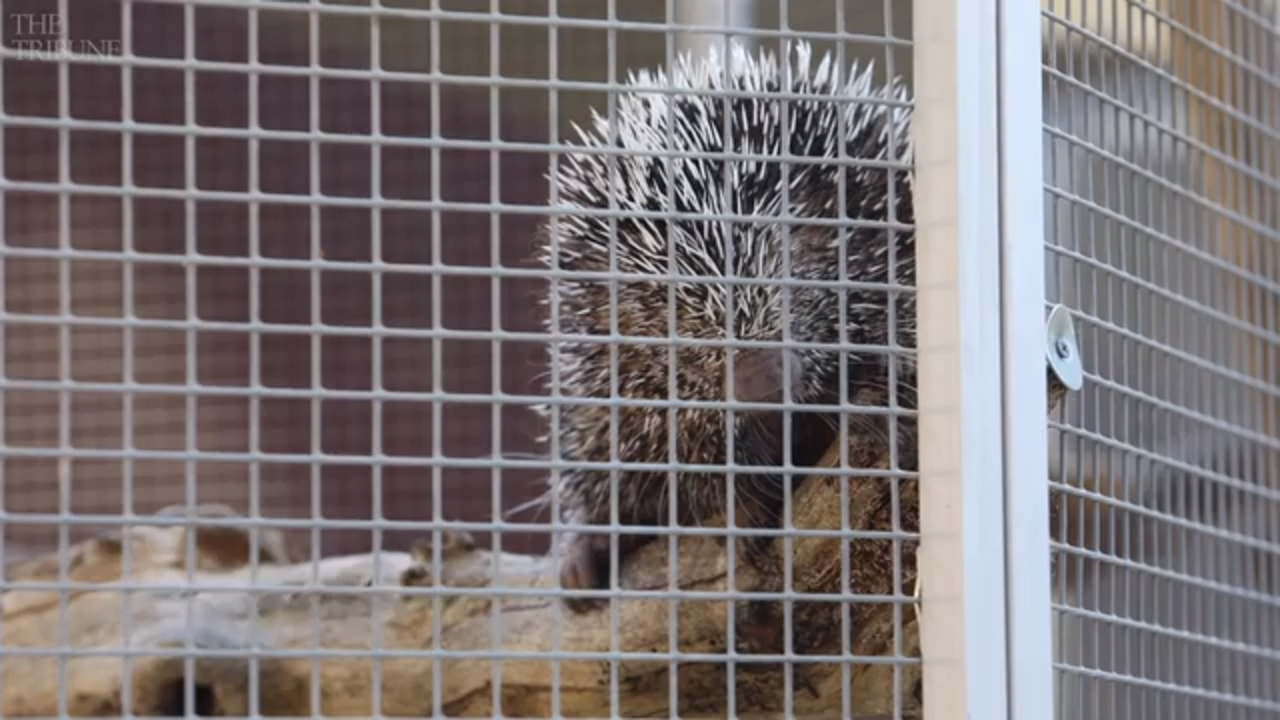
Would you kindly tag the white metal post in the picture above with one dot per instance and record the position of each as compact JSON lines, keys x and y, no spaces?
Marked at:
{"x":984,"y":492}
{"x":957,"y":186}
{"x":1026,"y":451}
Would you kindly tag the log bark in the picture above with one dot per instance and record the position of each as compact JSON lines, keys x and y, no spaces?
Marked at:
{"x":285,"y":620}
{"x":281,"y":637}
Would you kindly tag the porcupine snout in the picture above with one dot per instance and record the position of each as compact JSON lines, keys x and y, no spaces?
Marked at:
{"x":761,"y":375}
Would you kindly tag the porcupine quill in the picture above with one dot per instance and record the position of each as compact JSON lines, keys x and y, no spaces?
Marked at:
{"x":846,"y":127}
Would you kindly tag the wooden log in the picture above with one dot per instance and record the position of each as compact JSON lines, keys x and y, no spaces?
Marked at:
{"x":225,"y":610}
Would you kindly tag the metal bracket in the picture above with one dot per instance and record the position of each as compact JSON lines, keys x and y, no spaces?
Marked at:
{"x":1062,"y":354}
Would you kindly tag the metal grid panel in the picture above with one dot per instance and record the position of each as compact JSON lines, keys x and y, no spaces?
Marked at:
{"x":1163,"y":169}
{"x":167,"y":318}
{"x":282,"y":259}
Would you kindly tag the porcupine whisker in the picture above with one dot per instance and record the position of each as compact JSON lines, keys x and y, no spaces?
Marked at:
{"x":904,"y":392}
{"x":859,"y":424}
{"x":541,"y":378}
{"x":541,"y":503}
{"x":748,"y":499}
{"x":868,"y":425}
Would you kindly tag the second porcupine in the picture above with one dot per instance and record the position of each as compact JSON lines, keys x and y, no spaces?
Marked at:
{"x":683,"y":111}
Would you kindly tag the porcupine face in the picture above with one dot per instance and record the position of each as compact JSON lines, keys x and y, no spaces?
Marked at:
{"x":696,"y":275}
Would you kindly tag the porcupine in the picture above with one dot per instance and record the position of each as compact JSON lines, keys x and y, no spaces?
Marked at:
{"x":662,"y":112}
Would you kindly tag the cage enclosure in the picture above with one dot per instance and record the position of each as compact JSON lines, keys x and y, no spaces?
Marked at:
{"x":585,"y":358}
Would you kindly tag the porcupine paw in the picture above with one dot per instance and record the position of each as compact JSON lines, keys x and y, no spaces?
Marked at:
{"x":584,"y":565}
{"x":759,"y":625}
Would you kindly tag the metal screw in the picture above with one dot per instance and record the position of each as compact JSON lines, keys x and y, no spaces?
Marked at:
{"x":1063,"y":348}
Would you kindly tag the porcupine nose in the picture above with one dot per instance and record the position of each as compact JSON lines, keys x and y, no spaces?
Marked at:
{"x":761,"y":374}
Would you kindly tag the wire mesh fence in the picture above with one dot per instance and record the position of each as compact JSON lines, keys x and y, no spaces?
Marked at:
{"x":1161,"y":151}
{"x":323,"y":320}
{"x":275,"y":311}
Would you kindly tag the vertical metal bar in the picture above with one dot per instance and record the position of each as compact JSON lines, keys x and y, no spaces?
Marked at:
{"x":315,"y":437}
{"x":254,"y":379}
{"x":496,"y":324}
{"x":846,"y":553}
{"x":129,"y":340}
{"x":961,"y":499}
{"x":894,"y":401}
{"x":376,"y":346}
{"x":553,"y":314}
{"x":191,"y":338}
{"x":437,"y":351}
{"x":66,"y":377}
{"x":1022,"y":284}
{"x":731,"y":14}
{"x":4,"y":351}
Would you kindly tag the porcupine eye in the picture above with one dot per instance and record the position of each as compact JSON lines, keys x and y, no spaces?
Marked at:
{"x":760,"y":374}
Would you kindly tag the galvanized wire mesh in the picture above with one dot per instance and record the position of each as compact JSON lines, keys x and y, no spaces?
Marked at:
{"x":1163,"y":171}
{"x":280,"y":258}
